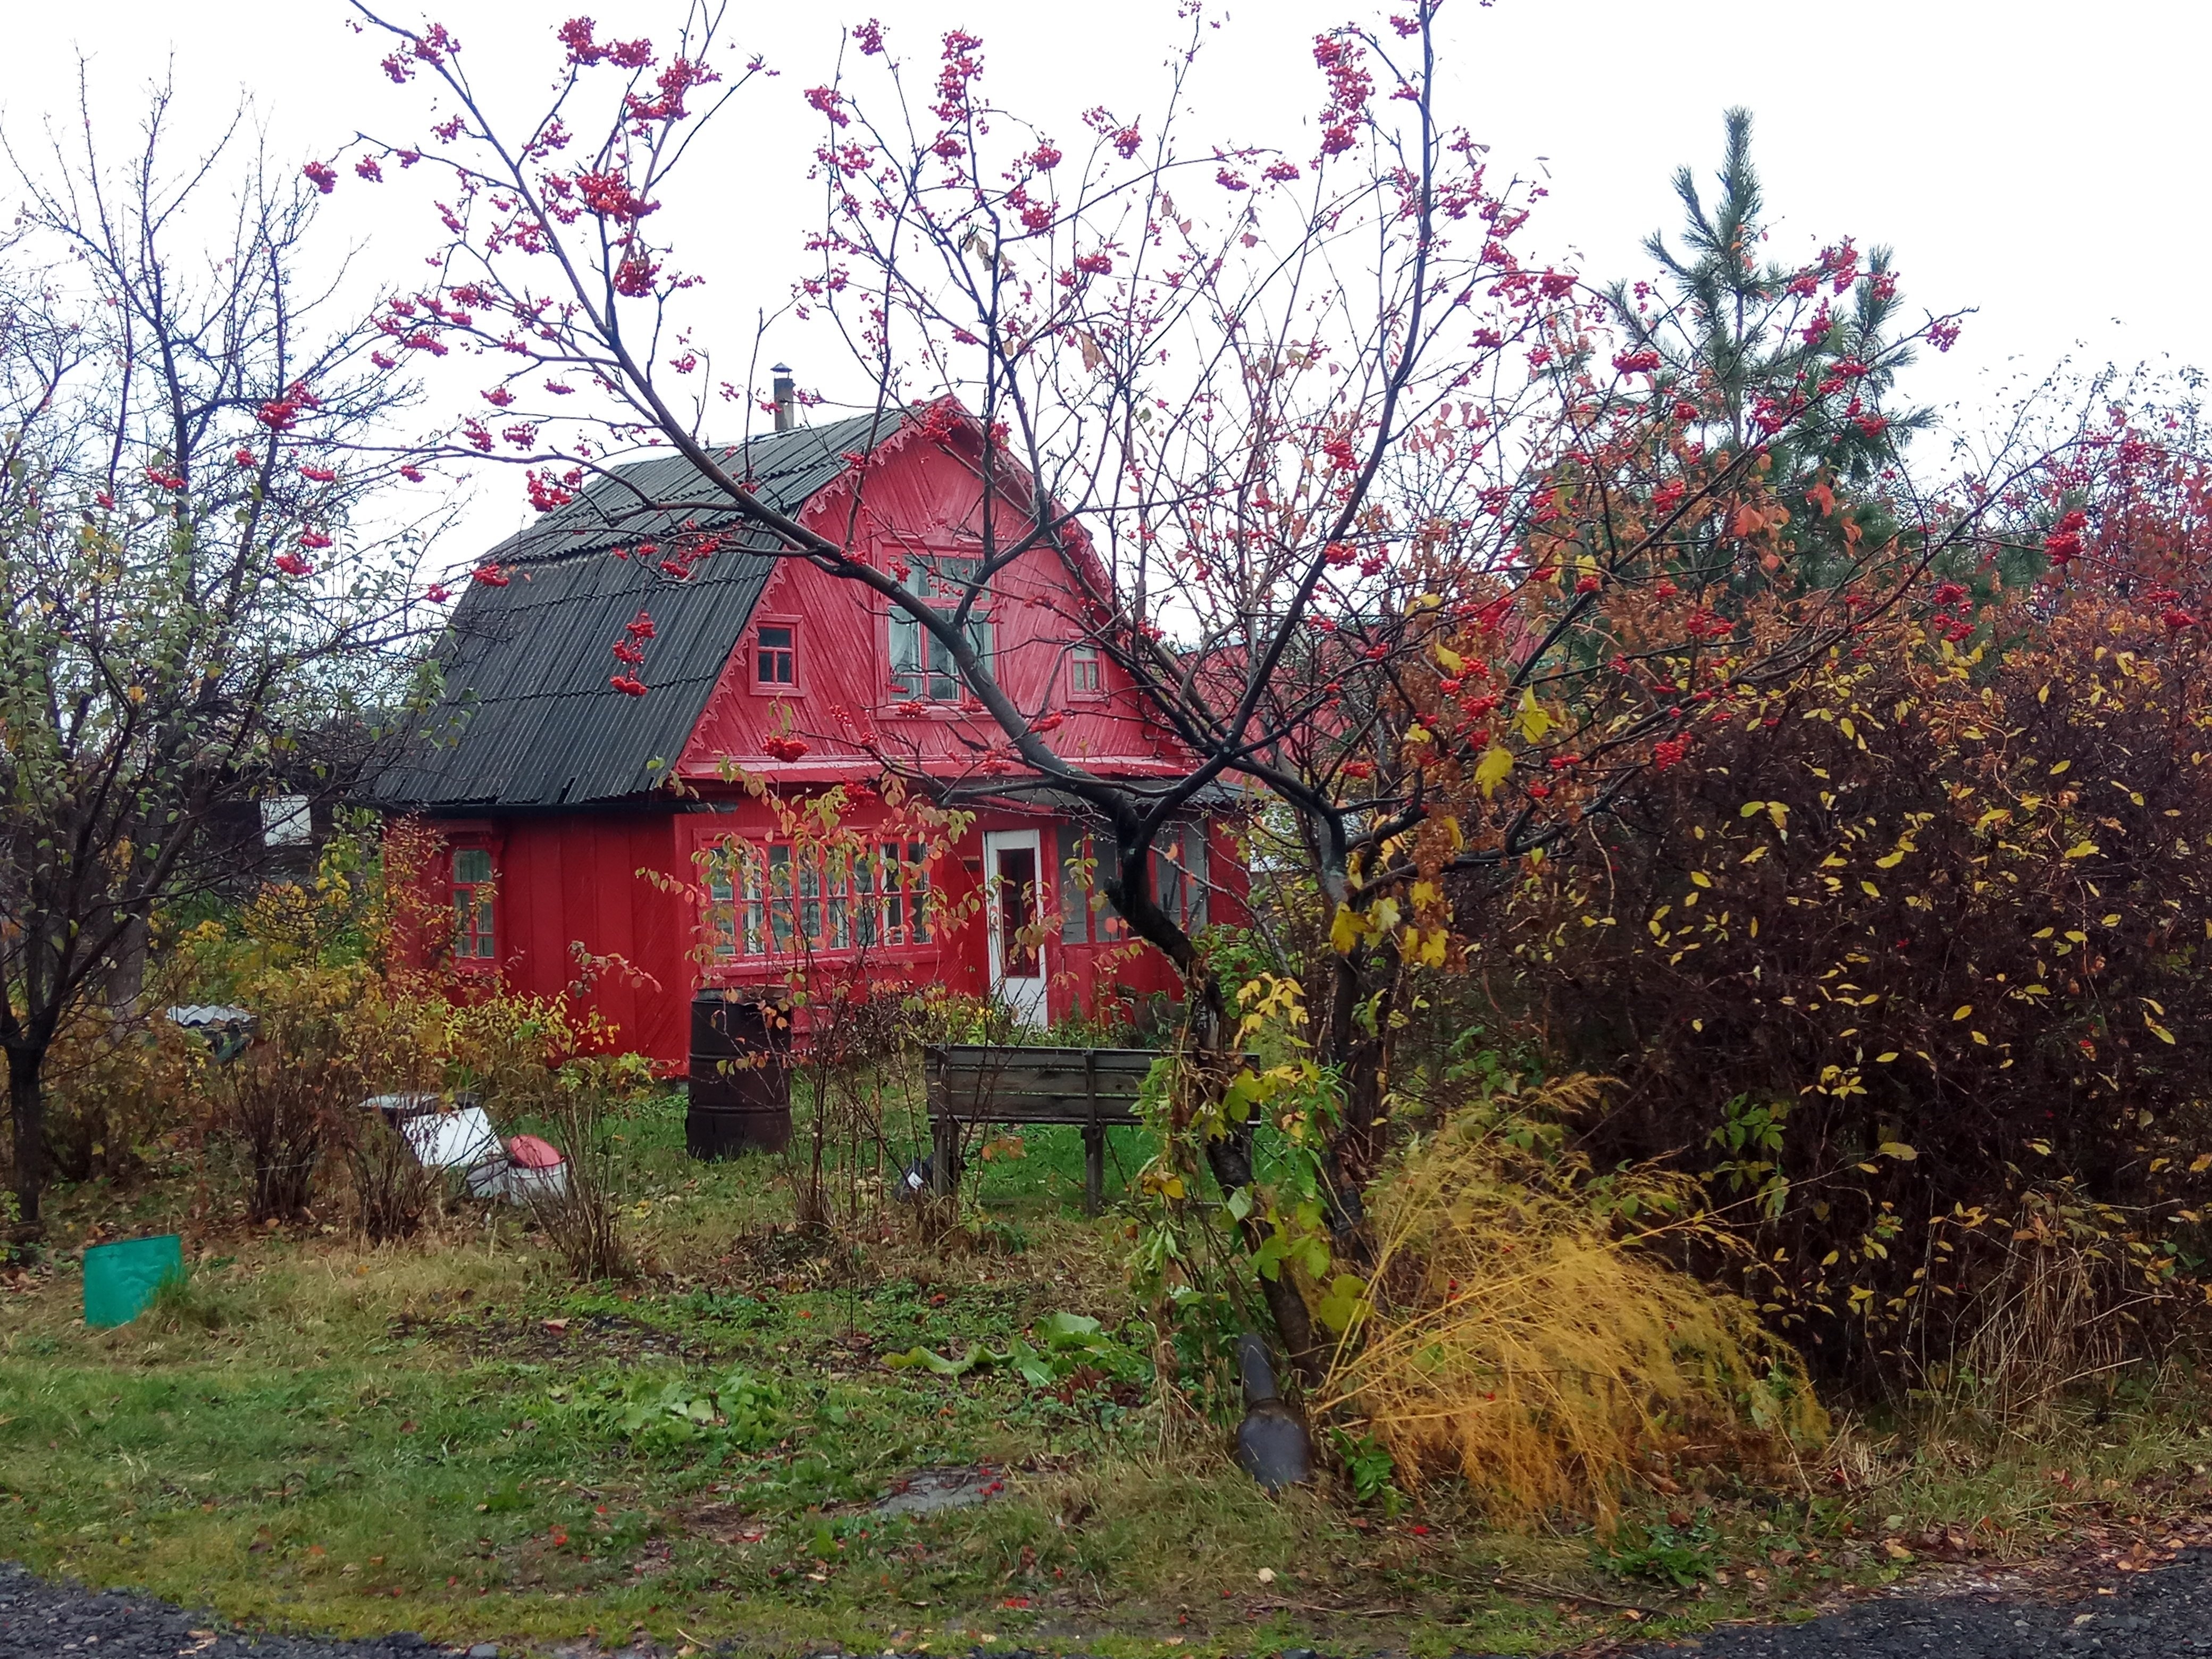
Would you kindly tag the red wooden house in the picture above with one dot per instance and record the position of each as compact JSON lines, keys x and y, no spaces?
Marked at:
{"x":579,"y":820}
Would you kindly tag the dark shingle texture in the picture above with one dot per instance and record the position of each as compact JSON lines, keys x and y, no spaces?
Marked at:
{"x":527,"y":717}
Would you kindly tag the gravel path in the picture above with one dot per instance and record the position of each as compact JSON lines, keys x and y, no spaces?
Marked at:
{"x":2165,"y":1614}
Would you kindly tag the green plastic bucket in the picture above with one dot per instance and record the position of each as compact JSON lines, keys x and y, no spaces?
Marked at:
{"x":120,"y":1280}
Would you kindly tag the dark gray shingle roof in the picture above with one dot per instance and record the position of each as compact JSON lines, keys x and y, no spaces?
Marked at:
{"x":527,"y":718}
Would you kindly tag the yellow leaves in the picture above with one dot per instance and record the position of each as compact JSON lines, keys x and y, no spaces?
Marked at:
{"x":1870,"y":889}
{"x":1884,"y":1058}
{"x":1493,"y":769}
{"x":2059,"y":767}
{"x":1898,"y":1150}
{"x":1965,"y":1009}
{"x":1532,"y":720}
{"x":1776,"y":813}
{"x":2157,"y":1030}
{"x":1345,"y":932}
{"x":2082,"y":849}
{"x":1449,"y":659}
{"x":1432,"y":948}
{"x":2201,"y":1163}
{"x":1699,"y":877}
{"x":1891,"y":860}
{"x":1161,"y":1183}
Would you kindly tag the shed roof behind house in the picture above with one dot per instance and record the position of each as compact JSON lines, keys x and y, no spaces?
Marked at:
{"x":527,"y":718}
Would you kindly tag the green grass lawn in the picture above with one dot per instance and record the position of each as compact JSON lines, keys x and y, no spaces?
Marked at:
{"x":450,"y":1437}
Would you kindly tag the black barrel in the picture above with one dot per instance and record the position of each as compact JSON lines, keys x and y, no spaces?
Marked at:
{"x":740,"y":1073}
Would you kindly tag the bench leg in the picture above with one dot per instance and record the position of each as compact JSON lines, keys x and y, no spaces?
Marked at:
{"x":1094,"y":1168}
{"x":945,"y":1153}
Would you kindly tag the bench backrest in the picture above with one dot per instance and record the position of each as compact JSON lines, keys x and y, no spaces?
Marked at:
{"x":981,"y":1082}
{"x":984,"y":1083}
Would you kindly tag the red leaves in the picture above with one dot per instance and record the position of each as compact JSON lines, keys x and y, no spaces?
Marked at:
{"x":783,"y":748}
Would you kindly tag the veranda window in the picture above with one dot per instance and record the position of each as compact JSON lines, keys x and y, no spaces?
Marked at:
{"x":1179,"y":884}
{"x":778,"y":901}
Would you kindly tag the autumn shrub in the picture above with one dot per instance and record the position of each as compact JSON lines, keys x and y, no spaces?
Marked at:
{"x":116,"y":1083}
{"x":580,"y":1217}
{"x":1904,"y":957}
{"x":1522,"y":1333}
{"x":293,"y":1092}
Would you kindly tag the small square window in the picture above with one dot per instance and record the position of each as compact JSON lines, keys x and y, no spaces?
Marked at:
{"x":1083,"y":679}
{"x":775,"y":656}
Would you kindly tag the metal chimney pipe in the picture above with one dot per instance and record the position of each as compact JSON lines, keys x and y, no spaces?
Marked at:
{"x":785,"y":394}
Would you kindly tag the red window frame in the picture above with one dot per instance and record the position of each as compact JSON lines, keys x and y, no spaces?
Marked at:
{"x":475,"y":908}
{"x":1081,"y":658}
{"x":755,"y":649}
{"x":764,"y":905}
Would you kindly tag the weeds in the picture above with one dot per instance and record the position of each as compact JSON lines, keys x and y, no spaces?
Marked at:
{"x":1517,"y":1336}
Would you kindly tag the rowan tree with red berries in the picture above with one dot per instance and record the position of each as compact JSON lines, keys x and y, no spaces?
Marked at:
{"x":1428,"y":545}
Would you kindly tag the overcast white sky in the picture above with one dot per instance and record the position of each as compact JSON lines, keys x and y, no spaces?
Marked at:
{"x":2039,"y":163}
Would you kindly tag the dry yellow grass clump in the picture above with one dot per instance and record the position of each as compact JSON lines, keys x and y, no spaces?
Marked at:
{"x":1520,"y":1330}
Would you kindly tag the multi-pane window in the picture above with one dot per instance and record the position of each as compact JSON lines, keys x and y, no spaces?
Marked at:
{"x":1085,"y":917}
{"x":775,"y":656}
{"x":920,"y":661}
{"x":1179,"y":884}
{"x":1083,"y":674}
{"x":777,"y":900}
{"x":473,"y":891}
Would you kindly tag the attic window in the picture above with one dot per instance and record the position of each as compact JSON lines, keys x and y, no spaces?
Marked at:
{"x":1083,"y":675}
{"x":920,"y":662}
{"x":776,"y":657}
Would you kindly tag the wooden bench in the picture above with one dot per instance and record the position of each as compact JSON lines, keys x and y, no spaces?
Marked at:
{"x":1091,"y":1089}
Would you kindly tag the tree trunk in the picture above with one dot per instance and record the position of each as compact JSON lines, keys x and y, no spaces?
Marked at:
{"x":1230,"y":1160}
{"x":27,"y":1108}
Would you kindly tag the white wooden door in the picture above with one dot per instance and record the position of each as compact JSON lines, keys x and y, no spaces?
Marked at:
{"x":1014,"y":871}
